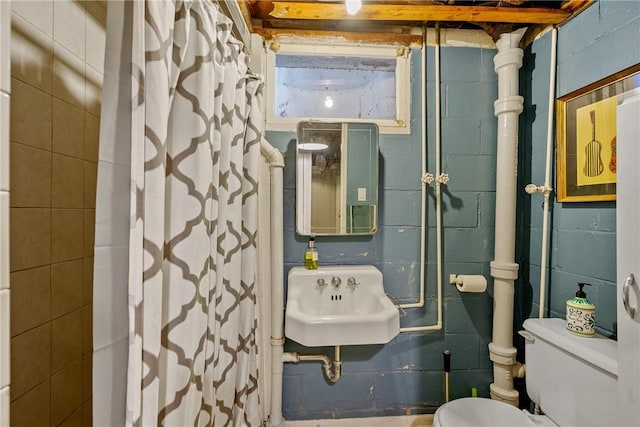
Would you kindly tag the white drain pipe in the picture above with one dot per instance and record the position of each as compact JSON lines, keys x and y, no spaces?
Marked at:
{"x":276,"y":165}
{"x":504,"y":270}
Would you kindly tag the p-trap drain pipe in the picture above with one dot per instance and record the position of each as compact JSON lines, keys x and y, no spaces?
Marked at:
{"x":332,"y":370}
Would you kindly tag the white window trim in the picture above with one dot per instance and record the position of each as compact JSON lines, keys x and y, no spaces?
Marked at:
{"x":401,"y":125}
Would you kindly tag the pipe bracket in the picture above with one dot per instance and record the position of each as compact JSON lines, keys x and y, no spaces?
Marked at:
{"x":504,"y":270}
{"x":502,"y":355}
{"x":506,"y":57}
{"x":277,"y":341}
{"x":508,"y":104}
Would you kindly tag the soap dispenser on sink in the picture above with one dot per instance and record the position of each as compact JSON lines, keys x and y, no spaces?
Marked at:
{"x":581,"y":314}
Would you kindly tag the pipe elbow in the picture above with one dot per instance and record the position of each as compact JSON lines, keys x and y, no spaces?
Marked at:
{"x":273,"y":155}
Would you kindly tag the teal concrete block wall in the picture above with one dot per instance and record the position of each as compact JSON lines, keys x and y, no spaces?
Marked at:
{"x":406,"y":374}
{"x":600,"y":41}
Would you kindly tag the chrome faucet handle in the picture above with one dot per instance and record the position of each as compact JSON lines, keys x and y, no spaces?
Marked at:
{"x":321,"y":283}
{"x":336,"y":281}
{"x":351,"y":281}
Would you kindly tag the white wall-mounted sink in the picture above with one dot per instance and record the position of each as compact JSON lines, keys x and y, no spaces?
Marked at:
{"x":339,"y":305}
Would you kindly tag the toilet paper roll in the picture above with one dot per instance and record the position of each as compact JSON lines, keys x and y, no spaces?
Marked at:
{"x":474,"y":283}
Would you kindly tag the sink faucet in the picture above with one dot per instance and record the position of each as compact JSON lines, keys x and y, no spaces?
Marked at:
{"x":321,"y":283}
{"x":336,"y":282}
{"x":351,"y":281}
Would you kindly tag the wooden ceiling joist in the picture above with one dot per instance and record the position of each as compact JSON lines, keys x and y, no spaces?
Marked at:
{"x":356,"y":37}
{"x":403,"y":12}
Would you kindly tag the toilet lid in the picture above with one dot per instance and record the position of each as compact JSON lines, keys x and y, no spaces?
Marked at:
{"x":479,"y":412}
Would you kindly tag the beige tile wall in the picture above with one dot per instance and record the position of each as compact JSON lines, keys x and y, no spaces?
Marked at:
{"x":57,"y":63}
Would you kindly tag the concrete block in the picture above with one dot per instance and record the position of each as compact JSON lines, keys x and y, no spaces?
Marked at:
{"x":471,"y":314}
{"x":426,"y":351}
{"x":468,"y":245}
{"x":587,"y":66}
{"x":487,"y":209}
{"x":289,"y":207}
{"x":470,"y":173}
{"x":399,"y":207}
{"x":591,"y":254}
{"x":586,"y":217}
{"x":401,"y":279}
{"x":606,"y":312}
{"x":460,"y":64}
{"x":487,"y":72}
{"x":408,"y":388}
{"x":469,"y":100}
{"x":291,"y":396}
{"x":401,"y":171}
{"x":397,"y":244}
{"x":488,"y":137}
{"x":423,"y":316}
{"x":352,"y":391}
{"x":461,"y":136}
{"x":377,"y":358}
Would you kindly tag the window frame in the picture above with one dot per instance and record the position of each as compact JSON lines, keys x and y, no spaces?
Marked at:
{"x":402,"y":55}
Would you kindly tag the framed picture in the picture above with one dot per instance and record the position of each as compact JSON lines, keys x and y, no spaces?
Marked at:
{"x":586,"y":136}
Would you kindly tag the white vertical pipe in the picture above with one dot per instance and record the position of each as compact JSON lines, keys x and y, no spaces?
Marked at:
{"x":438,"y":183}
{"x":504,"y":270}
{"x":438,"y":325}
{"x":547,"y":173}
{"x":276,"y":164}
{"x":423,"y":193}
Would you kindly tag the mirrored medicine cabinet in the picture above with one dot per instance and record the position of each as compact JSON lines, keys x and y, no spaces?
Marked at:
{"x":336,"y":179}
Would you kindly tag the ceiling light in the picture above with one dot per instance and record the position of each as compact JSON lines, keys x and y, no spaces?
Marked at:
{"x":353,"y":6}
{"x":328,"y":101}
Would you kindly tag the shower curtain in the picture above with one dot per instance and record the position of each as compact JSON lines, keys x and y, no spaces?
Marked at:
{"x":192,"y":131}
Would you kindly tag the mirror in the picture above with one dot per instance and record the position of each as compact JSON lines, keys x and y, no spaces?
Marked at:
{"x":337,"y":179}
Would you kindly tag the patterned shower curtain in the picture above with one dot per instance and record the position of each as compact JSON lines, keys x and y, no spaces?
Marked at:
{"x":196,"y":128}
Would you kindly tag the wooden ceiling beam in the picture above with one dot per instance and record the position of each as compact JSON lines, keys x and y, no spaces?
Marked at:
{"x":357,"y":37}
{"x":403,"y":12}
{"x":575,"y":6}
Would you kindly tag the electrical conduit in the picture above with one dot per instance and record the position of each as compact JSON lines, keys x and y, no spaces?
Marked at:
{"x":504,"y":270}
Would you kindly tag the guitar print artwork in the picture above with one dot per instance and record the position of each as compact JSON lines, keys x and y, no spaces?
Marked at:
{"x":613,"y":161}
{"x":593,"y":165}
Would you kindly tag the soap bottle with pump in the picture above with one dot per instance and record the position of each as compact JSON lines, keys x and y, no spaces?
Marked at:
{"x":581,"y":314}
{"x":311,"y":256}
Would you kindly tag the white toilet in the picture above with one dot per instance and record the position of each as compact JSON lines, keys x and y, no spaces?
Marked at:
{"x":572,"y":379}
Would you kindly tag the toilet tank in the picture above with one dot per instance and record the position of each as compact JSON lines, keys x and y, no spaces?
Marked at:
{"x":573,"y":379}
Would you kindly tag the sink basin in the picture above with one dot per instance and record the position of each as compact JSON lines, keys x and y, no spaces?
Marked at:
{"x":339,"y":305}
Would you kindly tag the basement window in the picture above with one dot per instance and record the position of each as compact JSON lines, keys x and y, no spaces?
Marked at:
{"x":338,"y":83}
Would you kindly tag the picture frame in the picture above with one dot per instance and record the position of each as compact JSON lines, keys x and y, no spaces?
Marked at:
{"x":586,"y":138}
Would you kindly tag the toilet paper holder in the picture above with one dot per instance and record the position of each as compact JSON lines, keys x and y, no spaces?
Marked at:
{"x":468,"y":283}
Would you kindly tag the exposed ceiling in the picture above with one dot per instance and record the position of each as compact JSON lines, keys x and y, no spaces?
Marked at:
{"x":395,"y":21}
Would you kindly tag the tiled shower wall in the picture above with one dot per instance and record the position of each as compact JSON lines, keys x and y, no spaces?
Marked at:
{"x":57,"y":52}
{"x":5,"y":85}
